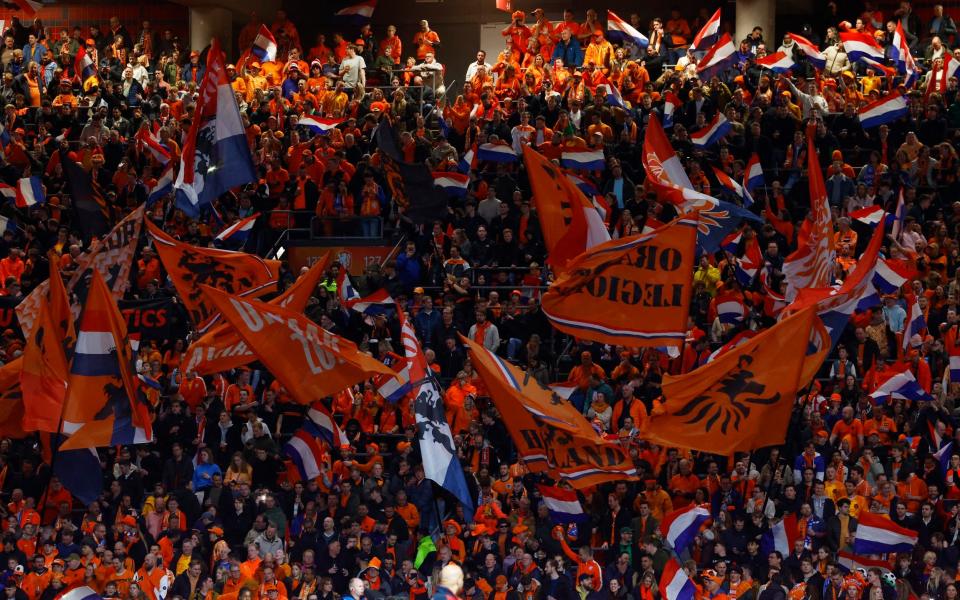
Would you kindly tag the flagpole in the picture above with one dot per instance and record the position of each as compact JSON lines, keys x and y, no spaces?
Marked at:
{"x":53,"y":461}
{"x":393,"y":252}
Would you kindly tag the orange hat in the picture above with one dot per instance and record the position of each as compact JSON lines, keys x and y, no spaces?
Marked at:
{"x":254,"y":64}
{"x":345,"y":447}
{"x":217,"y":531}
{"x":501,"y":579}
{"x":835,"y":396}
{"x":520,"y":529}
{"x":480,"y":529}
{"x":129,"y":521}
{"x":711,"y":575}
{"x":518,"y":14}
{"x":58,"y":562}
{"x":454,"y":524}
{"x":373,"y":564}
{"x":403,"y":446}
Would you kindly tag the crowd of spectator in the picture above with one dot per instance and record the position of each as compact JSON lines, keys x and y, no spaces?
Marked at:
{"x":213,"y":509}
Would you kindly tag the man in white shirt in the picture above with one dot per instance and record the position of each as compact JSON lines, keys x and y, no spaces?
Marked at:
{"x":353,"y":72}
{"x":432,"y":73}
{"x":480,"y":62}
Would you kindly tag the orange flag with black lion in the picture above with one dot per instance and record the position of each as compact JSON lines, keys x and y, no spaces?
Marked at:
{"x":740,"y":401}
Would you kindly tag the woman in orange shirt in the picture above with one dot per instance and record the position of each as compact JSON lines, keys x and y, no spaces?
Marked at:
{"x":508,"y":85}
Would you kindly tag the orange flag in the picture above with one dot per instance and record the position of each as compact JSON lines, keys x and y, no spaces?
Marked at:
{"x":569,"y":221}
{"x":741,"y":400}
{"x":221,"y":349}
{"x":105,"y":405}
{"x":11,"y":400}
{"x":46,"y":367}
{"x":233,"y":272}
{"x":550,"y":434}
{"x":633,"y":291}
{"x":309,"y":361}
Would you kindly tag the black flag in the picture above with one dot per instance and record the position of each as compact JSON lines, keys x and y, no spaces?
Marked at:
{"x":410,"y":184}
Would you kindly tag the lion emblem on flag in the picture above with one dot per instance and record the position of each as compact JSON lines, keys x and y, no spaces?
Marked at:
{"x":729,"y":401}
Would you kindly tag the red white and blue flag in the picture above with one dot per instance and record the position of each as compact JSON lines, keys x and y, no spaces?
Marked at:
{"x":899,"y":216}
{"x":589,"y":160}
{"x":860,"y":45}
{"x":454,"y":184}
{"x":345,"y":291}
{"x":879,"y":535}
{"x":394,"y":388}
{"x":81,"y":593}
{"x":885,"y":110}
{"x":711,"y":134}
{"x":914,"y":325}
{"x":900,"y":52}
{"x":498,"y":153}
{"x":84,"y":66}
{"x":718,"y":57}
{"x":813,"y":54}
{"x":147,"y":140}
{"x":670,"y":104}
{"x":264,"y":45}
{"x":781,"y":536}
{"x":29,"y":192}
{"x":749,"y":264}
{"x":360,"y":10}
{"x":753,"y":174}
{"x":853,"y":562}
{"x":163,"y":186}
{"x":665,"y":171}
{"x":870,"y":215}
{"x":320,"y":125}
{"x":377,"y":303}
{"x":620,"y":30}
{"x":778,"y":62}
{"x":216,"y":156}
{"x":733,"y":187}
{"x":8,"y":192}
{"x":674,"y":583}
{"x":564,"y":505}
{"x":468,"y":161}
{"x":238,"y":233}
{"x":898,"y":382}
{"x":680,"y":527}
{"x":708,"y":33}
{"x":730,"y":308}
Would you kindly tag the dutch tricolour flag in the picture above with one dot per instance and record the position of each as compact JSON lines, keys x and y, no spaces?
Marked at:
{"x":711,"y":134}
{"x":885,"y":110}
{"x":670,"y":104}
{"x":680,"y":527}
{"x":899,"y":216}
{"x":811,"y":51}
{"x":753,"y":174}
{"x":781,"y":536}
{"x":860,"y":45}
{"x":674,"y":583}
{"x":717,"y":58}
{"x":362,"y":10}
{"x":7,"y":225}
{"x":345,"y":291}
{"x":163,"y":186}
{"x":8,"y":192}
{"x":306,"y":453}
{"x":320,"y":423}
{"x":264,"y":45}
{"x":880,"y":535}
{"x":394,"y":388}
{"x":620,"y":30}
{"x":501,"y":153}
{"x":707,"y":34}
{"x":29,"y":192}
{"x":890,"y":275}
{"x":871,"y":215}
{"x":563,"y":504}
{"x":778,"y":62}
{"x":915,"y":324}
{"x":378,"y":303}
{"x":590,"y":160}
{"x":730,"y":309}
{"x":468,"y":161}
{"x":898,"y":382}
{"x":747,"y":266}
{"x":454,"y":184}
{"x":852,"y":562}
{"x":733,"y":187}
{"x":239,"y":231}
{"x":81,"y":593}
{"x":319,"y":124}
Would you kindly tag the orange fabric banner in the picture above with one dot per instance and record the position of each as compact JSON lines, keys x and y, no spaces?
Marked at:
{"x":550,"y":434}
{"x":566,"y":231}
{"x":633,"y":291}
{"x":221,"y":349}
{"x":233,"y":272}
{"x":740,"y":401}
{"x":11,"y":400}
{"x":309,"y":362}
{"x":46,"y":368}
{"x":105,"y":404}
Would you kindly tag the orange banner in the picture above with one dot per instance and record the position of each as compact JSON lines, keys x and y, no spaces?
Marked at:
{"x":191,"y":267}
{"x":633,"y":291}
{"x":550,"y":434}
{"x":309,"y":362}
{"x":45,"y":365}
{"x":11,"y":400}
{"x":741,"y":400}
{"x":221,"y":349}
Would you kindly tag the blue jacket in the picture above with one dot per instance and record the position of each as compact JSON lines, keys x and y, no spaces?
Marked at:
{"x":571,"y":53}
{"x":38,"y":51}
{"x":427,"y":326}
{"x":201,"y":483}
{"x":408,"y":269}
